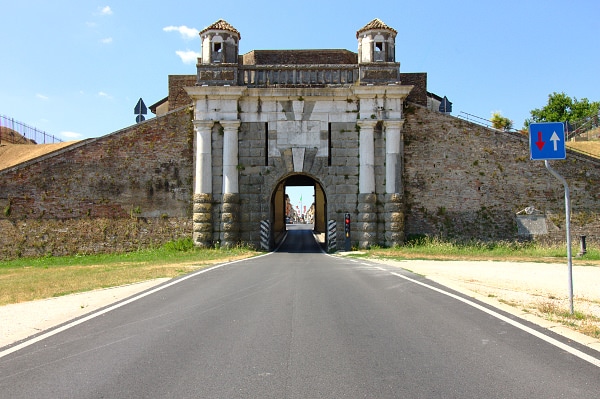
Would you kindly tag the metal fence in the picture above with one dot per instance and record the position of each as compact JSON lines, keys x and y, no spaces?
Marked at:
{"x":579,"y":128}
{"x":15,"y":132}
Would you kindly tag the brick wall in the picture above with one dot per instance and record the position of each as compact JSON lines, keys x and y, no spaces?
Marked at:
{"x":299,"y":57}
{"x":141,"y":173}
{"x":418,"y":94}
{"x":57,"y":237}
{"x":464,"y":180}
{"x":177,"y":95}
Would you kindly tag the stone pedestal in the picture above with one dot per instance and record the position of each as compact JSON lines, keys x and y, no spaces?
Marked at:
{"x":366,"y":223}
{"x":394,"y":219}
{"x":230,"y":220}
{"x":202,"y":218}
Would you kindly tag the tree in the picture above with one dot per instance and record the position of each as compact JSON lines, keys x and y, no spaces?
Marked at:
{"x":562,"y":108}
{"x":501,"y":122}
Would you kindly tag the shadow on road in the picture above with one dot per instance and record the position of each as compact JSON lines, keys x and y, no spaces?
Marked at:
{"x":300,"y":241}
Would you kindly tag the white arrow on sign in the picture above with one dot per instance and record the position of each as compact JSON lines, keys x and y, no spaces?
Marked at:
{"x":554,"y":139}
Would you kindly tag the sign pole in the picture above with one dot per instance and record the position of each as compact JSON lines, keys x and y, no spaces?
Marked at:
{"x":547,"y":141}
{"x":568,"y":229}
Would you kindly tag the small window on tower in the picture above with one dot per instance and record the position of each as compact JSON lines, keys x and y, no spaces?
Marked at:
{"x":378,"y":46}
{"x":217,"y":47}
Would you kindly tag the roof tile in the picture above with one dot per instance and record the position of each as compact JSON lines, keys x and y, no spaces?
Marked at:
{"x":374,"y":24}
{"x":222,"y":25}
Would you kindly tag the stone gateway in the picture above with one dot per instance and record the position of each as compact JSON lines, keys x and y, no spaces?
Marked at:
{"x":330,"y":119}
{"x":215,"y":162}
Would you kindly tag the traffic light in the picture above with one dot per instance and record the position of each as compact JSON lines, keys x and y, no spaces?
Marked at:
{"x":347,"y":224}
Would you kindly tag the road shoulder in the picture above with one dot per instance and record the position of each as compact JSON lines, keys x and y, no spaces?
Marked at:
{"x":517,"y":288}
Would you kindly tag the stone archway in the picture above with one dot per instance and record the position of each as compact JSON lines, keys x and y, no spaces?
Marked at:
{"x":278,"y":204}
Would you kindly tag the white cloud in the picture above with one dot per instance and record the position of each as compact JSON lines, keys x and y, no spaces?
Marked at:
{"x":71,"y":135}
{"x":105,"y":10}
{"x":104,"y":95}
{"x":41,"y":96}
{"x":184,"y":31}
{"x":107,"y":40}
{"x":188,"y":56}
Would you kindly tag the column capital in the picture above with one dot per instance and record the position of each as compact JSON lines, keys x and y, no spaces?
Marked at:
{"x":203,"y":125}
{"x":393,"y":123}
{"x":367,"y":123}
{"x":231,"y":124}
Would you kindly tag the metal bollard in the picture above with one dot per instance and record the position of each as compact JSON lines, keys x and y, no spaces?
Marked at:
{"x":582,"y":247}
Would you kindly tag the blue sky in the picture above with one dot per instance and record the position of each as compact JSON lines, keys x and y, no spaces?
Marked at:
{"x":76,"y":69}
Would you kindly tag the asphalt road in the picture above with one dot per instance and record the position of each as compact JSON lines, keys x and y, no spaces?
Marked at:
{"x":297,"y":324}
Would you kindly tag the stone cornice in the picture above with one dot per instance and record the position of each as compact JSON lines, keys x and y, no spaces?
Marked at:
{"x":390,"y":91}
{"x":223,"y":92}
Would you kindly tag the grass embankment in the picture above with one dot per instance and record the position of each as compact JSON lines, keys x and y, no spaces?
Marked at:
{"x":436,"y":249}
{"x":37,"y":278}
{"x":588,"y":147}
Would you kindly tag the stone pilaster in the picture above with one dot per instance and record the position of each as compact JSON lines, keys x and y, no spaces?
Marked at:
{"x":366,"y":153}
{"x":230,"y":211}
{"x":202,"y":206}
{"x":366,"y":225}
{"x":230,"y":156}
{"x":203,"y":167}
{"x":202,"y":220}
{"x":393,"y":167}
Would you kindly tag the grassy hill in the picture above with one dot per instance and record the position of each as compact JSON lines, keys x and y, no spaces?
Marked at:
{"x":591,"y":148}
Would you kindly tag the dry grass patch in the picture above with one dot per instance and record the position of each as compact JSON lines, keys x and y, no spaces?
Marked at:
{"x":589,"y":147}
{"x":27,"y":283}
{"x":580,"y":321}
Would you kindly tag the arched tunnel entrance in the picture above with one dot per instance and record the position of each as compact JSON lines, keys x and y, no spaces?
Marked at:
{"x":286,"y":211}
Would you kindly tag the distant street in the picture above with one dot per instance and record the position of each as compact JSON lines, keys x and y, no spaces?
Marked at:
{"x":298,"y":324}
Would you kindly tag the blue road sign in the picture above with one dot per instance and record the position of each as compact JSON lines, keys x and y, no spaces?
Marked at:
{"x":140,"y":108}
{"x":547,"y":141}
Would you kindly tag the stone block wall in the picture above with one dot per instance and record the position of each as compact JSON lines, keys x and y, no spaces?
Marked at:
{"x":254,"y":171}
{"x":342,"y":177}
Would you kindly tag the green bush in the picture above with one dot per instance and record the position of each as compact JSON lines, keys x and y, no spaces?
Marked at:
{"x":181,"y":245}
